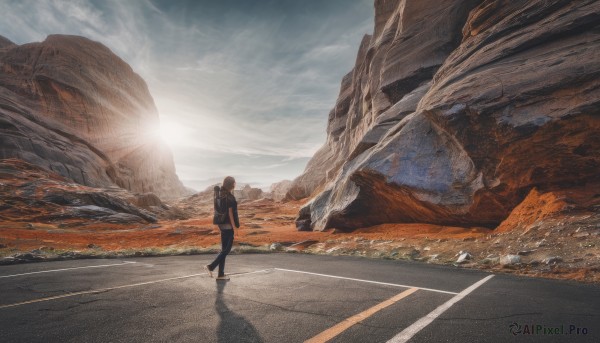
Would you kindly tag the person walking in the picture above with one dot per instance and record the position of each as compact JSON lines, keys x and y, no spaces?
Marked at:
{"x":226,"y":217}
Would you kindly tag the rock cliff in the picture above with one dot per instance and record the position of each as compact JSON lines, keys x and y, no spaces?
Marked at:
{"x":455,"y":111}
{"x":71,"y":106}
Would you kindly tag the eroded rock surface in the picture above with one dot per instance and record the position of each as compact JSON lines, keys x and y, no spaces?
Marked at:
{"x":71,"y":106}
{"x":32,"y":194}
{"x":455,"y":110}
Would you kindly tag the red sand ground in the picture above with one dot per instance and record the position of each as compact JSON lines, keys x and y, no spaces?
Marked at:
{"x":262,"y":222}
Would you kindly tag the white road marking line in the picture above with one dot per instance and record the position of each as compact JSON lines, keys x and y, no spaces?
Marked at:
{"x":112,"y":288}
{"x":64,"y":269}
{"x":368,"y":281}
{"x":417,"y":326}
{"x":340,"y":327}
{"x":246,"y":273}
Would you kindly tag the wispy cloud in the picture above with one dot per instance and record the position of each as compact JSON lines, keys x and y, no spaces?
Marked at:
{"x":251,"y":80}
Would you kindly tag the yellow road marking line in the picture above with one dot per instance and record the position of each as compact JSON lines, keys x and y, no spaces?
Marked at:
{"x":346,"y":323}
{"x":111,"y":288}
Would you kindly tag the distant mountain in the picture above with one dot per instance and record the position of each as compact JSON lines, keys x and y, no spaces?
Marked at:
{"x":202,"y":185}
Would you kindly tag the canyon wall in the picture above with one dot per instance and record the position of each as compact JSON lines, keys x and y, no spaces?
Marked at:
{"x":455,"y":111}
{"x":71,"y":106}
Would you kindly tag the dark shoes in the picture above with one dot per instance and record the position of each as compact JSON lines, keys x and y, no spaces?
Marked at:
{"x":223,"y":277}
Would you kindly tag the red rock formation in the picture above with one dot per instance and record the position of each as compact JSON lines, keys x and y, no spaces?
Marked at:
{"x":69,"y":105}
{"x":29,"y":193}
{"x":455,"y":110}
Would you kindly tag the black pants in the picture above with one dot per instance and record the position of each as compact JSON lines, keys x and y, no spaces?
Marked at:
{"x":226,"y":244}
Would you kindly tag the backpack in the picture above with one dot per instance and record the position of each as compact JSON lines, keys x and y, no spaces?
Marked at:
{"x":220,"y":206}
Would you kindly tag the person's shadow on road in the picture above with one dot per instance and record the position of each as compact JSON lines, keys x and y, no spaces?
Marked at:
{"x":232,"y":327}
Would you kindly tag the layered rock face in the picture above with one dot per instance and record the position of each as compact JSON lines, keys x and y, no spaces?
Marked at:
{"x":455,"y":110}
{"x":30,"y":193}
{"x":71,"y":106}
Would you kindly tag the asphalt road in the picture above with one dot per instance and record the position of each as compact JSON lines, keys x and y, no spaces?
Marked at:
{"x":287,"y":298}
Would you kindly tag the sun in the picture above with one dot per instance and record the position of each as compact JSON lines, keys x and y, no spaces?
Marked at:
{"x":171,"y":133}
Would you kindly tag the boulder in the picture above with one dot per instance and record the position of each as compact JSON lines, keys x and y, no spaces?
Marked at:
{"x":553,"y":260}
{"x":510,"y":259}
{"x":276,"y":246}
{"x":464,"y":257}
{"x":502,"y":97}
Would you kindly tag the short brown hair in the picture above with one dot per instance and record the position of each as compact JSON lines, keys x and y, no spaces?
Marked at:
{"x":228,"y":183}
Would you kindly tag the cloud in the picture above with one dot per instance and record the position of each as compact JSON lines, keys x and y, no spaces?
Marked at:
{"x":251,"y":80}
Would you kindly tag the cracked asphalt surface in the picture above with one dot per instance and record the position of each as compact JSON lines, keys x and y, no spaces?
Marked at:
{"x":170,"y":299}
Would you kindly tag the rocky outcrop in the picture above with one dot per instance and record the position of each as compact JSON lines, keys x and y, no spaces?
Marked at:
{"x":410,"y":41}
{"x":4,"y":42}
{"x":71,"y":106}
{"x":251,"y":193}
{"x":455,"y":110}
{"x":30,"y":193}
{"x":280,"y":189}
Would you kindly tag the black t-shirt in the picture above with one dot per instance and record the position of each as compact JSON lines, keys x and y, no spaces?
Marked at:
{"x":232,"y":203}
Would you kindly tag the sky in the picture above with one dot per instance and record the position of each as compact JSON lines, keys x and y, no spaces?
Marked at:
{"x":243,"y":87}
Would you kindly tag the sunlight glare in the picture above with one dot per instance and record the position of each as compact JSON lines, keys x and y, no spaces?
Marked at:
{"x":172,"y":133}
